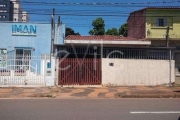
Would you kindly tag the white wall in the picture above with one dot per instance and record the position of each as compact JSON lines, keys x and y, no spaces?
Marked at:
{"x":127,"y":72}
{"x":50,"y":80}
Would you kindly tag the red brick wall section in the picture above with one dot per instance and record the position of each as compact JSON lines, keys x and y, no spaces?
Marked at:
{"x":136,"y":24}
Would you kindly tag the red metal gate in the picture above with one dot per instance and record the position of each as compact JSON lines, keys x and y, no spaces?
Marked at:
{"x":73,"y":71}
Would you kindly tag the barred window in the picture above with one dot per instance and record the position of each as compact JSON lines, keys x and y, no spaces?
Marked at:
{"x":161,"y":22}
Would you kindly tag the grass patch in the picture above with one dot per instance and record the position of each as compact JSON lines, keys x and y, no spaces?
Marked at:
{"x":176,"y":85}
{"x":49,"y":95}
{"x":55,"y":91}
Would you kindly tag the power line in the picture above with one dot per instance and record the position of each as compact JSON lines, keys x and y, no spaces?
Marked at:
{"x":87,"y":13}
{"x":97,"y":14}
{"x":97,"y":3}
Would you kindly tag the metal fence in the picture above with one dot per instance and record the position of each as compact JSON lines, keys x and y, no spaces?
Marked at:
{"x":136,"y":53}
{"x":116,"y":52}
{"x":22,"y":70}
{"x":88,"y":73}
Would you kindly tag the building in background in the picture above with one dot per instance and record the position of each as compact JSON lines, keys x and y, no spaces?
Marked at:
{"x":25,"y":16}
{"x":11,"y":10}
{"x":6,"y":10}
{"x":17,"y":16}
{"x":151,"y":24}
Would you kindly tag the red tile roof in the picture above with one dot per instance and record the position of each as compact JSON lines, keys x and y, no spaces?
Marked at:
{"x":100,"y":37}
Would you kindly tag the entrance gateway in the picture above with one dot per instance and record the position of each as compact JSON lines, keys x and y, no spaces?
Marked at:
{"x":79,"y":71}
{"x":81,"y":67}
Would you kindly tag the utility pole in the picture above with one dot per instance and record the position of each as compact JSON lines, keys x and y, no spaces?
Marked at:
{"x":170,"y":54}
{"x":56,"y":55}
{"x":52,"y":30}
{"x":52,"y":33}
{"x":58,"y":31}
{"x":167,"y":37}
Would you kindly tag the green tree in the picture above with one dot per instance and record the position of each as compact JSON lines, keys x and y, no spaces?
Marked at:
{"x":123,"y":30}
{"x":112,"y":31}
{"x":70,"y":31}
{"x":98,"y":27}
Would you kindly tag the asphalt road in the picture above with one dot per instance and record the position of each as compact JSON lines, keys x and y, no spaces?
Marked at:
{"x":90,"y":109}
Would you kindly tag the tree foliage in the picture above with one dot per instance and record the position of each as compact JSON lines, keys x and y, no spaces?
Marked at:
{"x":98,"y":27}
{"x":70,"y":31}
{"x":112,"y":31}
{"x":123,"y":30}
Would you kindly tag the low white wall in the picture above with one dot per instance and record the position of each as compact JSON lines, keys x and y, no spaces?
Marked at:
{"x":130,"y":72}
{"x":50,"y":80}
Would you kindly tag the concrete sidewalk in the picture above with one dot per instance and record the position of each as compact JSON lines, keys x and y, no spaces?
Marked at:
{"x":90,"y":92}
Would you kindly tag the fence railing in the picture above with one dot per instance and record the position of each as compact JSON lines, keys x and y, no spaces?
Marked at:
{"x":115,"y":52}
{"x":136,"y":53}
{"x":22,"y":69}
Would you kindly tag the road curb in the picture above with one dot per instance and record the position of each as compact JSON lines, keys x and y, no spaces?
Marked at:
{"x":149,"y":96}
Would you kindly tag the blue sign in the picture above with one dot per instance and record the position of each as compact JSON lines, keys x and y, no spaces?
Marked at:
{"x":24,"y":30}
{"x":48,"y":65}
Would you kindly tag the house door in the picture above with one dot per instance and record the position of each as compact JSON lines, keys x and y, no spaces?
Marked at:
{"x":23,"y":58}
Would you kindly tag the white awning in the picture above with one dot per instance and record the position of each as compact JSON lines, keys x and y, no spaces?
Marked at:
{"x":108,"y":42}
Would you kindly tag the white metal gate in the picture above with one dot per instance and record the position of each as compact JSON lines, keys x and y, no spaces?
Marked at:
{"x":22,"y":70}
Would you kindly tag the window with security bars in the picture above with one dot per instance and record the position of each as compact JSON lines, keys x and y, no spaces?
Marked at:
{"x":161,"y":22}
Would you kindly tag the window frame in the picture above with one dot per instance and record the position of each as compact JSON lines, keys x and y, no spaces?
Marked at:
{"x":161,"y":22}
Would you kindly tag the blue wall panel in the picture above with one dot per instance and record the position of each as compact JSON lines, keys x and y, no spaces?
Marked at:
{"x":41,"y":43}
